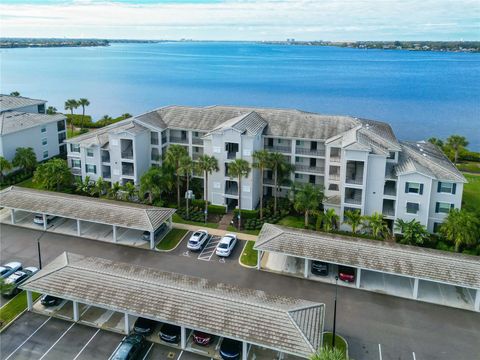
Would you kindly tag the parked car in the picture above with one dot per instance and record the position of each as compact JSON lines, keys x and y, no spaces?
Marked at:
{"x":202,"y":338}
{"x":346,"y":273}
{"x":9,"y":268}
{"x":319,"y":268}
{"x":38,"y":219}
{"x":170,"y":333}
{"x":49,"y":300}
{"x":132,"y":347}
{"x":158,"y":232}
{"x":197,"y":240}
{"x":144,"y":326}
{"x":230,"y":349}
{"x":10,"y":287}
{"x":226,"y":245}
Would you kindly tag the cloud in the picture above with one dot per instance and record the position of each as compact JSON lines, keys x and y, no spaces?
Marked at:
{"x":246,"y":20}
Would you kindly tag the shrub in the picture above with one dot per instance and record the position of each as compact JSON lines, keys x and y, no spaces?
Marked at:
{"x":247,"y":214}
{"x":216,"y":209}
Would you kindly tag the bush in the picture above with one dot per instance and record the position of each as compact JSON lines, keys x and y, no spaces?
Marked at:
{"x":247,"y":214}
{"x":198,"y":203}
{"x":216,"y":209}
{"x":441,"y":245}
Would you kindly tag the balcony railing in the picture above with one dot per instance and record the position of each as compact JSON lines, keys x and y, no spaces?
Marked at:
{"x":356,"y":199}
{"x":106,"y":174}
{"x":334,"y":177}
{"x":267,"y":181}
{"x":232,"y":155}
{"x":127,"y":171}
{"x":127,"y":155}
{"x":354,"y":180}
{"x":196,"y":156}
{"x":231,"y":190}
{"x":388,"y":211}
{"x":178,"y":140}
{"x":389,"y":190}
{"x":335,"y":159}
{"x":282,"y":149}
{"x":310,"y":169}
{"x":303,"y":151}
{"x":105,"y":158}
{"x":197,"y":141}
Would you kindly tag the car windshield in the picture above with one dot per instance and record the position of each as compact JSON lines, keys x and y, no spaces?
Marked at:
{"x":3,"y":270}
{"x":223,"y":246}
{"x":123,"y":351}
{"x":197,"y":234}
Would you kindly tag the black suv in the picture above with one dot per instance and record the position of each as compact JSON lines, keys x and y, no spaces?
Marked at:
{"x":132,"y":347}
{"x":319,"y":268}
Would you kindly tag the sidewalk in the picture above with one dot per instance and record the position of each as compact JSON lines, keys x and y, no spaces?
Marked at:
{"x":217,"y":232}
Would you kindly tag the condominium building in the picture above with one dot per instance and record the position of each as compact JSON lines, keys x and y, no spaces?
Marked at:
{"x":23,"y":123}
{"x":359,"y":163}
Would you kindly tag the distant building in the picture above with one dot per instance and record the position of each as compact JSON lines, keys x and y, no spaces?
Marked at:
{"x":360,"y":163}
{"x":23,"y":123}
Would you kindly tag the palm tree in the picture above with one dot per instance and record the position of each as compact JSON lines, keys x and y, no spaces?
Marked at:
{"x":461,"y":227}
{"x":83,"y":103}
{"x":436,"y":141}
{"x":71,"y":104}
{"x":51,"y":110}
{"x":328,"y":353}
{"x":5,"y":165}
{"x":186,"y":169}
{"x":98,"y":188}
{"x":25,"y":159}
{"x":280,"y":167}
{"x":173,"y":157}
{"x":84,"y":186}
{"x":353,"y":218}
{"x":114,"y":191}
{"x":456,"y":143}
{"x":207,"y":164}
{"x":307,"y":199}
{"x":238,"y":169}
{"x":130,"y":190}
{"x":261,"y":160}
{"x":15,"y":93}
{"x":156,"y":181}
{"x":376,"y":225}
{"x":126,"y":115}
{"x":414,"y":233}
{"x":330,"y":220}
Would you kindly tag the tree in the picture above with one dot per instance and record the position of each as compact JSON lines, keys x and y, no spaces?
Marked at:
{"x":238,"y":169}
{"x":280,"y":167}
{"x":436,"y":141}
{"x":353,"y":218}
{"x":84,"y":186}
{"x":414,"y":233}
{"x":51,"y":110}
{"x":207,"y":164}
{"x":456,"y":143}
{"x":328,"y":353}
{"x":376,"y":226}
{"x":130,"y":190}
{"x":156,"y":181}
{"x":53,"y":175}
{"x":461,"y":227}
{"x":5,"y":165}
{"x":25,"y":159}
{"x":330,"y":220}
{"x":98,"y":188}
{"x":173,"y":157}
{"x":307,"y":199}
{"x":126,"y":116}
{"x":114,"y":191}
{"x":71,"y":104}
{"x":186,"y":170}
{"x":15,"y":93}
{"x":83,"y":103}
{"x":261,"y":160}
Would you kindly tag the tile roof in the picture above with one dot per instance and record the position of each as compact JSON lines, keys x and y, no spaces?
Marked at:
{"x":123,"y":214}
{"x":290,"y":325}
{"x":8,"y":102}
{"x":412,"y":261}
{"x":13,"y":121}
{"x":251,"y":124}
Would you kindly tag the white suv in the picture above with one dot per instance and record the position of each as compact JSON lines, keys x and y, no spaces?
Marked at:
{"x":226,"y":245}
{"x":197,"y":240}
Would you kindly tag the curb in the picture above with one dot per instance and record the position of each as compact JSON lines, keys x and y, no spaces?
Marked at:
{"x":240,"y":257}
{"x":166,"y":251}
{"x":341,"y":337}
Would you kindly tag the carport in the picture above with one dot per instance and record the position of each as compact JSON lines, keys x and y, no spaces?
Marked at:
{"x":407,"y":271}
{"x":100,"y":219}
{"x":284,"y":325}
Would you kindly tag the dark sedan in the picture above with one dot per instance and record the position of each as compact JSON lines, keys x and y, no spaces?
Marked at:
{"x":230,"y":349}
{"x":132,"y":347}
{"x":144,"y":326}
{"x":319,"y":268}
{"x":202,"y":338}
{"x":170,"y":333}
{"x":49,"y":300}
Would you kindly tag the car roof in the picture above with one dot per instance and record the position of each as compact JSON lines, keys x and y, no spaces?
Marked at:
{"x":12,"y":264}
{"x":31,"y":268}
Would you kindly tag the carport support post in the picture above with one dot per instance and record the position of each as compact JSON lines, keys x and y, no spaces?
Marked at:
{"x":306,"y":269}
{"x":114,"y":227}
{"x":415,"y":288}
{"x":29,"y":300}
{"x":477,"y":301}
{"x":127,"y":324}
{"x":44,"y":216}
{"x":79,"y":230}
{"x":12,"y":214}
{"x":359,"y":274}
{"x":76,"y":314}
{"x":259,"y":259}
{"x":183,"y":337}
{"x":152,"y":239}
{"x":244,"y":350}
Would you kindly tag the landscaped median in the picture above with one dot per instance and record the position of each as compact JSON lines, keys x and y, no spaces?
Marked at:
{"x":13,"y":308}
{"x":340,"y":352}
{"x":172,"y":239}
{"x":249,"y":255}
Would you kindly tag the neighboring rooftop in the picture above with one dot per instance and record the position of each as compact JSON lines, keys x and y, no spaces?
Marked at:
{"x":290,"y":325}
{"x":13,"y":121}
{"x":412,"y":261}
{"x":109,"y":212}
{"x":9,"y":102}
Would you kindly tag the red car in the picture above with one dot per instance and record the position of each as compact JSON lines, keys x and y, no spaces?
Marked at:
{"x":346,"y":273}
{"x":202,"y":338}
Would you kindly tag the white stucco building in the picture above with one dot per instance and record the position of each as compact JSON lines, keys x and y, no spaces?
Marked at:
{"x":360,"y":163}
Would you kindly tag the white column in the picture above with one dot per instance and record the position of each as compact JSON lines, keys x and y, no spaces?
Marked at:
{"x":244,"y":350}
{"x":306,"y":269}
{"x":183,"y":337}
{"x":29,"y":300}
{"x":415,"y":289}
{"x":127,"y":324}
{"x":477,"y":301}
{"x":114,"y":233}
{"x":79,"y":229}
{"x":152,"y":239}
{"x":76,"y":313}
{"x":170,"y":221}
{"x":259,"y":259}
{"x":12,"y":215}
{"x":359,"y":274}
{"x":44,"y":216}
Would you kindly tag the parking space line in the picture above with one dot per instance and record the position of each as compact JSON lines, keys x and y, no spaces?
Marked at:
{"x":23,"y":343}
{"x":414,"y":357}
{"x":146,"y":354}
{"x":120,"y":343}
{"x":380,"y":351}
{"x":84,"y":346}
{"x":56,"y":342}
{"x":179,"y":356}
{"x":209,"y":249}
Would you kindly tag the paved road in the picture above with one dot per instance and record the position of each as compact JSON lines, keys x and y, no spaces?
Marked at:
{"x":401,"y":327}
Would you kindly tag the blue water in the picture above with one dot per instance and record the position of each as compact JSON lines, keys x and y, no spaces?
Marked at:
{"x":421,"y":94}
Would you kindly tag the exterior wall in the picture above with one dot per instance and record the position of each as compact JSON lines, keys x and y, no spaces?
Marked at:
{"x":36,"y":109}
{"x":374,"y":184}
{"x":423,"y":200}
{"x":91,"y":160}
{"x":142,"y":154}
{"x":455,"y":199}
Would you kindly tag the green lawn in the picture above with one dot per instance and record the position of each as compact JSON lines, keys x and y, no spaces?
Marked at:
{"x":177,"y":218}
{"x":171,"y":239}
{"x":29,"y":184}
{"x":339,"y":342}
{"x":471,"y":193}
{"x":71,"y":133}
{"x":473,"y":167}
{"x":12,"y":309}
{"x":249,"y":232}
{"x":293,"y":221}
{"x":249,"y":255}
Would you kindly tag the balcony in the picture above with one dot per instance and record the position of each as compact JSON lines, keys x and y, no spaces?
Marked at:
{"x":197,"y":141}
{"x":196,"y":155}
{"x":178,"y":140}
{"x":106,"y":173}
{"x":354,"y":172}
{"x":281,"y":149}
{"x":127,"y":149}
{"x":105,"y":156}
{"x":270,"y":181}
{"x":390,"y":188}
{"x":334,"y":177}
{"x":310,"y":169}
{"x":311,"y":152}
{"x":231,"y":187}
{"x":353,"y":196}
{"x":335,"y":155}
{"x":388,"y":208}
{"x":127,"y":169}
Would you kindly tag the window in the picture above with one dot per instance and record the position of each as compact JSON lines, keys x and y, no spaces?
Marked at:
{"x":90,"y":152}
{"x":443,"y":208}
{"x":333,"y":187}
{"x":154,"y":138}
{"x":91,"y":168}
{"x":445,"y":187}
{"x":41,"y":109}
{"x":61,"y":125}
{"x":75,"y":148}
{"x":299,"y":143}
{"x":76,"y":163}
{"x":436,"y":227}
{"x":414,"y":188}
{"x":61,"y":136}
{"x":45,"y":154}
{"x":391,"y":155}
{"x":195,"y":134}
{"x":44,"y":141}
{"x":43,"y":129}
{"x":412,"y":208}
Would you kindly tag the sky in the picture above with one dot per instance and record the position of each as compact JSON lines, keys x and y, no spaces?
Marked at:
{"x":334,"y":20}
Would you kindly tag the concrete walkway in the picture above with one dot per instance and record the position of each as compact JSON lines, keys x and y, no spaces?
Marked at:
{"x":217,"y":232}
{"x":225,"y":221}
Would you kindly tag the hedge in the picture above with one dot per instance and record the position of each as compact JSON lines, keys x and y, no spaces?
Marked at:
{"x":247,"y":214}
{"x":216,"y":209}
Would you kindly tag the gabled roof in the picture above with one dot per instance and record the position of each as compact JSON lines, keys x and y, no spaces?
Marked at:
{"x":250,"y":124}
{"x":427,"y":159}
{"x":13,"y":121}
{"x":9,"y":102}
{"x":109,"y":212}
{"x":290,"y":325}
{"x":412,"y":261}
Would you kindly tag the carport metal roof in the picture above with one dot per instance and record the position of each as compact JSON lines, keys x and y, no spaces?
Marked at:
{"x":412,"y":261}
{"x":134,"y":216}
{"x":289,"y":325}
